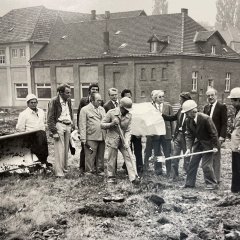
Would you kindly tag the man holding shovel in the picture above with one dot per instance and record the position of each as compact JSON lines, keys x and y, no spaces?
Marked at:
{"x":118,"y":124}
{"x":201,"y":135}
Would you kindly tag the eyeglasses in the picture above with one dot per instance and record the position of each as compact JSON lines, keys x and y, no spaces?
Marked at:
{"x":160,"y":96}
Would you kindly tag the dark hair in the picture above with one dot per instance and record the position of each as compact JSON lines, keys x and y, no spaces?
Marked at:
{"x":124,"y":91}
{"x":185,"y":96}
{"x":61,"y":87}
{"x":91,"y":86}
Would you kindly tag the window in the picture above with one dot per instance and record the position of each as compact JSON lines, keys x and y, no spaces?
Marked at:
{"x":2,"y":56}
{"x":153,"y":74}
{"x":210,"y":83}
{"x":227,"y":82}
{"x":43,"y":90}
{"x":84,"y":89}
{"x":14,"y":52}
{"x":22,"y":52}
{"x":143,"y":74}
{"x":194,"y":81}
{"x":164,"y":74}
{"x":153,"y":47}
{"x":213,"y":50}
{"x":21,"y":90}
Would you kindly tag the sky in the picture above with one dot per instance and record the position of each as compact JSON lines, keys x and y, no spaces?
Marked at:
{"x":200,"y":10}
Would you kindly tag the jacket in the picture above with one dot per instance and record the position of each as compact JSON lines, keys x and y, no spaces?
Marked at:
{"x":205,"y":132}
{"x":108,"y":106}
{"x":176,"y":117}
{"x":54,"y":112}
{"x":83,"y":102}
{"x":235,"y":136}
{"x":113,"y":137}
{"x":89,"y":123}
{"x":219,"y":118}
{"x":167,"y":110}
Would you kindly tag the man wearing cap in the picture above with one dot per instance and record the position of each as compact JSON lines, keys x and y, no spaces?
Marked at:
{"x":218,"y":112}
{"x":31,"y":119}
{"x":179,"y":135}
{"x":60,"y":123}
{"x":235,"y":141}
{"x":93,"y":88}
{"x":113,"y":102}
{"x":117,"y":122}
{"x":201,"y":135}
{"x":91,"y":134}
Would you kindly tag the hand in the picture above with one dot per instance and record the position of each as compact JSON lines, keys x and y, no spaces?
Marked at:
{"x":221,"y":140}
{"x":56,"y":136}
{"x":115,"y":122}
{"x":187,"y":152}
{"x":215,"y":150}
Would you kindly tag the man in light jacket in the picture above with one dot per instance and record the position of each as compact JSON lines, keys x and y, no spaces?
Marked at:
{"x":91,"y":134}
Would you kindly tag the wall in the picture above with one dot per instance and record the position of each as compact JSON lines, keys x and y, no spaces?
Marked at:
{"x":4,"y":87}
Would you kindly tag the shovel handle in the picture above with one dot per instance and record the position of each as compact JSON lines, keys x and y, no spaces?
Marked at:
{"x":184,"y":155}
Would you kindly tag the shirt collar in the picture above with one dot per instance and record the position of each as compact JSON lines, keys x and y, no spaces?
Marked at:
{"x":195,"y":119}
{"x":214,"y":104}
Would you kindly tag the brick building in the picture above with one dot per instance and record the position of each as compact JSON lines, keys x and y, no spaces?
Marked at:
{"x":170,"y":52}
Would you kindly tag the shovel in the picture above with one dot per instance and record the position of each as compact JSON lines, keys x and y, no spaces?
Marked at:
{"x":163,"y":159}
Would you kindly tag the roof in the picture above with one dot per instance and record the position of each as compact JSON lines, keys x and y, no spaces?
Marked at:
{"x":203,"y":36}
{"x":127,"y":36}
{"x":128,"y":14}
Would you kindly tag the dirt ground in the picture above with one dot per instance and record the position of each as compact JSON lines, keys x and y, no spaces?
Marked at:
{"x":40,"y":206}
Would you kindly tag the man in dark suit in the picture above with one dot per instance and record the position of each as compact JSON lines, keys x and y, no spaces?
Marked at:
{"x":113,"y":102}
{"x":201,"y":135}
{"x":163,"y":141}
{"x":179,"y":135}
{"x":93,"y":88}
{"x":218,"y":112}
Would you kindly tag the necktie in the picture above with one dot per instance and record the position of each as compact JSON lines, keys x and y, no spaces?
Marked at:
{"x":116,"y":104}
{"x":209,"y":110}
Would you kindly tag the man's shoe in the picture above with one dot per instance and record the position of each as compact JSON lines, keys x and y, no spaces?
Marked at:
{"x":211,"y":187}
{"x":136,"y":181}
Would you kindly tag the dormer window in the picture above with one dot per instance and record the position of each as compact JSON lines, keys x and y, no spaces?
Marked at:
{"x":153,"y":47}
{"x":213,"y":50}
{"x":158,"y":43}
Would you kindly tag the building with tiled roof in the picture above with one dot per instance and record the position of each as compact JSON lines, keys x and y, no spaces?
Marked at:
{"x":171,"y":52}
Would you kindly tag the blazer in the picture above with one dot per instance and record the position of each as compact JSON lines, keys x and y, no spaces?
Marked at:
{"x":83,"y":102}
{"x":176,"y":117}
{"x":89,"y":123}
{"x":108,"y":106}
{"x":235,"y":136}
{"x":219,"y":118}
{"x":204,"y":132}
{"x":54,"y":112}
{"x":167,"y":110}
{"x":113,"y":137}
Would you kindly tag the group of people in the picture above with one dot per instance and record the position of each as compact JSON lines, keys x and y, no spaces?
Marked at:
{"x":105,"y":128}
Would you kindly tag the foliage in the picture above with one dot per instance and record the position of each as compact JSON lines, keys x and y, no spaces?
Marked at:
{"x":228,"y":13}
{"x":160,"y":7}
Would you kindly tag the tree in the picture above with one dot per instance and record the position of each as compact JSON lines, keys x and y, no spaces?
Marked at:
{"x":160,"y":7}
{"x":228,"y":13}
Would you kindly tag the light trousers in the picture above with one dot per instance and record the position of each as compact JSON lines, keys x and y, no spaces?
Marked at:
{"x":61,"y":147}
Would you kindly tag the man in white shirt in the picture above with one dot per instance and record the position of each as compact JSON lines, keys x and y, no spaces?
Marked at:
{"x":32,"y":119}
{"x":60,"y":123}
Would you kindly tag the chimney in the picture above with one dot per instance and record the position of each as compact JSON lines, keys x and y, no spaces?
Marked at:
{"x":184,"y":10}
{"x":106,"y":47}
{"x":93,"y":15}
{"x":107,"y":14}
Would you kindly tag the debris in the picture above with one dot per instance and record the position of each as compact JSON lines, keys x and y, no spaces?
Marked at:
{"x":114,"y":198}
{"x":229,"y":201}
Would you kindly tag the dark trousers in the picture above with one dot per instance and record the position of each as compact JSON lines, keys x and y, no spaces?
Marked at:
{"x":235,"y":172}
{"x":207,"y":166}
{"x":136,"y":146}
{"x":39,"y":146}
{"x":155,"y":143}
{"x":179,"y":145}
{"x":82,"y":158}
